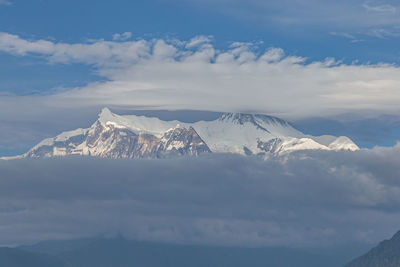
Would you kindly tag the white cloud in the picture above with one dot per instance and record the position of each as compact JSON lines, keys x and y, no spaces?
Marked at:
{"x":162,"y":74}
{"x":198,"y":40}
{"x":384,"y":8}
{"x":273,"y":55}
{"x":122,"y":36}
{"x":99,"y":53}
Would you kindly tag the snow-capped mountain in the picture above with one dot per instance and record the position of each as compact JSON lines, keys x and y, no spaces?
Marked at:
{"x":131,"y":136}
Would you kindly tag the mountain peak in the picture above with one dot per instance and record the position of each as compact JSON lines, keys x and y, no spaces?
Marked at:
{"x":105,"y":111}
{"x":239,"y":118}
{"x":116,"y":136}
{"x":242,"y":118}
{"x":343,"y":143}
{"x":106,"y":115}
{"x":386,"y":253}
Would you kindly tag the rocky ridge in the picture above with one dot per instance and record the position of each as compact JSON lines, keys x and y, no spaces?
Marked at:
{"x":115,"y":136}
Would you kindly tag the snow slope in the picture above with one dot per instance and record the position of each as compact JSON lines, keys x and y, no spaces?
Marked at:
{"x":233,"y":131}
{"x":116,"y":136}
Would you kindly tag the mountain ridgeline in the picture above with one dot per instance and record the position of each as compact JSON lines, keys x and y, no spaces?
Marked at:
{"x":130,"y":136}
{"x":386,"y":254}
{"x":119,"y":252}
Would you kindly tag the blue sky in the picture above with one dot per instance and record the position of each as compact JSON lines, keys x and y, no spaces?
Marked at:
{"x":307,"y":35}
{"x":334,"y":60}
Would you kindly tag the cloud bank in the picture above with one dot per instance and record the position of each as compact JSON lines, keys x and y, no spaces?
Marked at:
{"x":306,"y":199}
{"x":173,"y":74}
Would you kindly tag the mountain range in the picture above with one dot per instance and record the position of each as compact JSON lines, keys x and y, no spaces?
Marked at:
{"x":131,"y":136}
{"x":120,"y":252}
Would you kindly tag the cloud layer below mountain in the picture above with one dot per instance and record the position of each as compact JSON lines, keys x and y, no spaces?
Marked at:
{"x":305,"y":199}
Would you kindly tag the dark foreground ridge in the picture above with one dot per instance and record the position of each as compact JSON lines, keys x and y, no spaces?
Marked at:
{"x":119,"y":252}
{"x":386,"y":254}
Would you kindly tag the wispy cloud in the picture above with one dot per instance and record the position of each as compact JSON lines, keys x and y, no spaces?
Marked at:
{"x":350,"y":16}
{"x":343,"y":34}
{"x":372,"y":6}
{"x":5,"y":2}
{"x":351,"y":37}
{"x":384,"y":33}
{"x":198,"y":40}
{"x":122,"y":36}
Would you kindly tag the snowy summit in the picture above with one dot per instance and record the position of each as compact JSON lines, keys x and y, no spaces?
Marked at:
{"x":131,"y":136}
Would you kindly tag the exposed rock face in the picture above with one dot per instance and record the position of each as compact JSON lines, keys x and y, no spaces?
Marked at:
{"x":129,"y":136}
{"x":111,"y":141}
{"x":386,"y":254}
{"x":183,"y":142}
{"x":49,"y":147}
{"x":272,"y":145}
